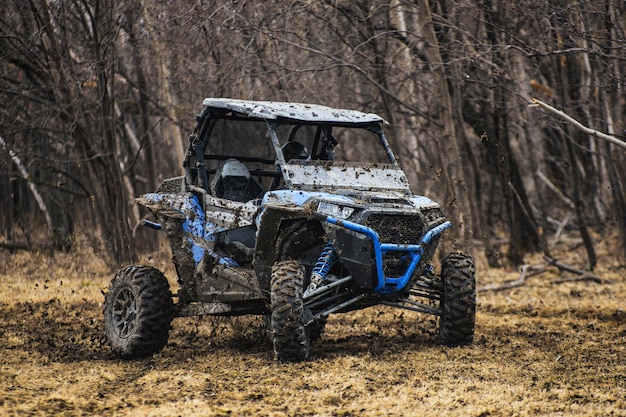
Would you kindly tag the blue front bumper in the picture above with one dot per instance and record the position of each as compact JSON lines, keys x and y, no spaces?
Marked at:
{"x":388,"y":285}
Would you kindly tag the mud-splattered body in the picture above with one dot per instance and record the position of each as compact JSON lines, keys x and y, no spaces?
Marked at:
{"x":291,"y":206}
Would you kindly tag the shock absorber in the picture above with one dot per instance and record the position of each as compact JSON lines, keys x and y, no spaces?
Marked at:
{"x":322,"y":267}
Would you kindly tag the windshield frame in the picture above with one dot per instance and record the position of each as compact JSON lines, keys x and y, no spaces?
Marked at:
{"x":372,"y":127}
{"x":356,"y":175}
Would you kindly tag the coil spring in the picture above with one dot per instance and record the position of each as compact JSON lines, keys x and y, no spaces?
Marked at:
{"x":325,"y":262}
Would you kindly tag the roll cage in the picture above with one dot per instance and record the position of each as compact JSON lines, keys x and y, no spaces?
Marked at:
{"x":199,"y":174}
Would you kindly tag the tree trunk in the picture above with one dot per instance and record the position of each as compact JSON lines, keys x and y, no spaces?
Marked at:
{"x":31,"y":185}
{"x":458,"y":200}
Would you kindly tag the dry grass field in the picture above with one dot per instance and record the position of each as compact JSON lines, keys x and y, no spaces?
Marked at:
{"x":544,"y":348}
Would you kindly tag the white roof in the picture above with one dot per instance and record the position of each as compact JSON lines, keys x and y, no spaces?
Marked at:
{"x":297,"y":111}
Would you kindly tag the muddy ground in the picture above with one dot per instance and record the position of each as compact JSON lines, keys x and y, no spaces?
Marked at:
{"x":545,"y":348}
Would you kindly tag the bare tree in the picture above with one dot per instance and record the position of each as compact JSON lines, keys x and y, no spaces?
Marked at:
{"x":97,"y":97}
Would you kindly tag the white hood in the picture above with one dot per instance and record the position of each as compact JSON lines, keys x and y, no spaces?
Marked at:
{"x":343,"y":175}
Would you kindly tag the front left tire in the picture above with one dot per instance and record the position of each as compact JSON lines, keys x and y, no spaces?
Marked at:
{"x":290,"y":336}
{"x":138,"y":311}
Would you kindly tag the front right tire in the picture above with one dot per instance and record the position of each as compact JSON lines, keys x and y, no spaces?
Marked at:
{"x":290,"y":337}
{"x":458,"y":300}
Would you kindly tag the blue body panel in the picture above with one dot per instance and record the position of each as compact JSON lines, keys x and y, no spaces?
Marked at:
{"x":385,"y":285}
{"x":193,"y":225}
{"x":199,"y":235}
{"x":298,"y":198}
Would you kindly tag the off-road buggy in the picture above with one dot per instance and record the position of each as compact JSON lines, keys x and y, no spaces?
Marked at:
{"x":274,"y":217}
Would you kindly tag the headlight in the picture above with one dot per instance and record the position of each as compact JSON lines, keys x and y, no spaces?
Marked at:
{"x":334,"y":210}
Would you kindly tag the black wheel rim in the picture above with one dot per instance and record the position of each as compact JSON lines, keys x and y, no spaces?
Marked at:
{"x":124,"y":312}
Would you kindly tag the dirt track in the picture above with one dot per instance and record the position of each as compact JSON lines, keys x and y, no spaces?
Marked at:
{"x":544,"y":348}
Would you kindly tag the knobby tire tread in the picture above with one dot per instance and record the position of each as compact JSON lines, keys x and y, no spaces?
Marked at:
{"x":153,"y":302}
{"x":290,"y":337}
{"x":458,"y":318}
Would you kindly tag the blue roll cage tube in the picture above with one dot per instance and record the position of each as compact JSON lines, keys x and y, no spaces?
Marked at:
{"x":388,"y":285}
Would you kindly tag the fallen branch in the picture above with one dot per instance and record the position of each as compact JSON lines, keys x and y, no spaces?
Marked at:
{"x":577,"y":124}
{"x":584,"y":275}
{"x":526,"y":272}
{"x":555,"y":189}
{"x":15,"y":245}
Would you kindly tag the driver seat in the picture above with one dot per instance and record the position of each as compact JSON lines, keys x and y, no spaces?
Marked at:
{"x":232,"y":181}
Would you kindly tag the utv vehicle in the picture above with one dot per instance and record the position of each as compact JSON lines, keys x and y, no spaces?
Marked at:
{"x":294,"y":212}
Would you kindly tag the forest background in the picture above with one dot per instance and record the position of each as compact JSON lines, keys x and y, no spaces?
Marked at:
{"x":97,"y":99}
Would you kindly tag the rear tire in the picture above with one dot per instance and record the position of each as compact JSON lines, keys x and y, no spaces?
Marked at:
{"x":458,"y":300}
{"x":138,"y":311}
{"x":289,"y":335}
